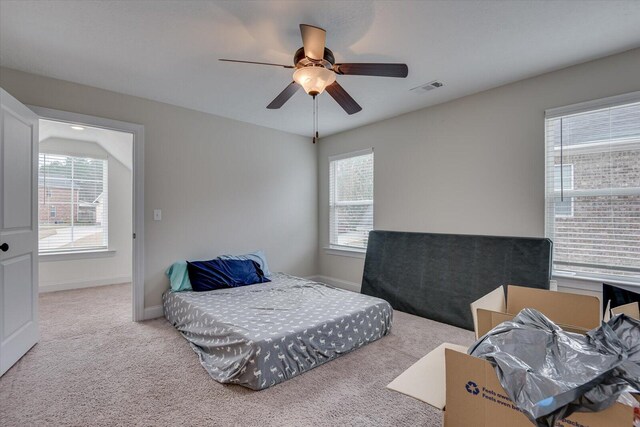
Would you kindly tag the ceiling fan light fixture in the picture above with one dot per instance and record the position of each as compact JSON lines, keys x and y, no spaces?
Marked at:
{"x":314,"y":79}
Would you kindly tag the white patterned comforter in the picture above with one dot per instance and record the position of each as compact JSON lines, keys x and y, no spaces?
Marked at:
{"x":260,"y":335}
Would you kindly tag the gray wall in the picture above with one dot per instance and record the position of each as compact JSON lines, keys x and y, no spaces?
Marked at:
{"x":473,"y":165}
{"x":222,"y":185}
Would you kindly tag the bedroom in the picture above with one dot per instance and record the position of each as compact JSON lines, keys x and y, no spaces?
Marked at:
{"x":231,"y":176}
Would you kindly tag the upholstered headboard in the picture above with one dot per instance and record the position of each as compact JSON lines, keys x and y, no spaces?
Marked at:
{"x":437,"y":276}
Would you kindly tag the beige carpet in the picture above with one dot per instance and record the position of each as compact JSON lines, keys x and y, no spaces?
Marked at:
{"x":93,"y":366}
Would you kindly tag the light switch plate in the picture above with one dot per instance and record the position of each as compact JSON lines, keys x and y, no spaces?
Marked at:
{"x":157,"y":215}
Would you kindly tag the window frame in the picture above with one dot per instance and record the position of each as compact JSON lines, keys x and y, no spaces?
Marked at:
{"x":549,"y":223}
{"x":346,"y":250}
{"x":56,"y":254}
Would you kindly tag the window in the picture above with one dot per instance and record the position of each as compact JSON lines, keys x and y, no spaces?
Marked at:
{"x":593,"y":189}
{"x":72,"y":199}
{"x":351,"y":199}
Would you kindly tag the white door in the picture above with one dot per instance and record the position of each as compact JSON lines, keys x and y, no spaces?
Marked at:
{"x":18,"y":230}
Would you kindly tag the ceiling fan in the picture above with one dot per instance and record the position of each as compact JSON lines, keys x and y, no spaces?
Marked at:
{"x":316,"y":70}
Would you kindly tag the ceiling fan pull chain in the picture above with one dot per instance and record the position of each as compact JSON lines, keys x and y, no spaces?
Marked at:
{"x":314,"y":118}
{"x":317,"y":119}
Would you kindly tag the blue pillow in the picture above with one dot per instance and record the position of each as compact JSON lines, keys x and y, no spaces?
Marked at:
{"x":257,"y":256}
{"x":221,"y":274}
{"x":178,"y":276}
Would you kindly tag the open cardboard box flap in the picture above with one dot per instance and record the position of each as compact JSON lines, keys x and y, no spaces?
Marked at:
{"x":631,"y":310}
{"x":425,"y":379}
{"x":493,"y":301}
{"x":572,"y":312}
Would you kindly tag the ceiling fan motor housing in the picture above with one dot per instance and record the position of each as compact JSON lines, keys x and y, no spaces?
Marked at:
{"x":300,"y":60}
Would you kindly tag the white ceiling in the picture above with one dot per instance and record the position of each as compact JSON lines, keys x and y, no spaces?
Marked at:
{"x":117,"y":144}
{"x":167,"y":50}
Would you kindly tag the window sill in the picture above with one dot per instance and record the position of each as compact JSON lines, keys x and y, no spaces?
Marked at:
{"x":352,"y":253}
{"x":591,"y":284}
{"x":73,"y":255}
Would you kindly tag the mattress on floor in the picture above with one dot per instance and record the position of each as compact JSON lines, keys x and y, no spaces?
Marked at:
{"x":260,"y":335}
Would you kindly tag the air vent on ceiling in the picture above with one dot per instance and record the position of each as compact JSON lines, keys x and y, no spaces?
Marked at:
{"x":427,"y":86}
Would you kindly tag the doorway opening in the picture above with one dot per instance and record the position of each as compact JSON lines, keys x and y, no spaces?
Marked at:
{"x":89,"y":205}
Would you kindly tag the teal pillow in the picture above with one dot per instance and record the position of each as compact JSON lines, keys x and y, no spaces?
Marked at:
{"x":179,"y":277}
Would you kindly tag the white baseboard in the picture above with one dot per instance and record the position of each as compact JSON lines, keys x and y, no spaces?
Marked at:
{"x":153,"y":312}
{"x":338,"y":283}
{"x":81,"y":284}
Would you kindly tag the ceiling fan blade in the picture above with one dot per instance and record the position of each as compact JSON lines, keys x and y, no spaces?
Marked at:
{"x":313,"y":40}
{"x":259,"y":63}
{"x":284,"y":96}
{"x":369,"y":69}
{"x":341,"y":96}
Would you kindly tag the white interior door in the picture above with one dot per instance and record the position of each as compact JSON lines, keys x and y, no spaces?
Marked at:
{"x":18,"y":230}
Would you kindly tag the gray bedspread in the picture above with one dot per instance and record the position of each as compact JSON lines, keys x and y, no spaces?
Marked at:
{"x":260,"y":335}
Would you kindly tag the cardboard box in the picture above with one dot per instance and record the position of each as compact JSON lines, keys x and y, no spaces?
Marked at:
{"x":572,"y":312}
{"x":474,"y":397}
{"x":471,"y":394}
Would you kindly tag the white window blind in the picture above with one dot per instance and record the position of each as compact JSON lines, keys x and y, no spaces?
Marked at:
{"x":564,"y":178}
{"x":72,"y":203}
{"x":351,"y":199}
{"x":593,"y":189}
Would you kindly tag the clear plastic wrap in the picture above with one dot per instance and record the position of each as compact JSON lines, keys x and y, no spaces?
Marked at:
{"x":550,"y":373}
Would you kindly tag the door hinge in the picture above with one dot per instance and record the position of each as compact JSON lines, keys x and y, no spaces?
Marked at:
{"x":134,"y":235}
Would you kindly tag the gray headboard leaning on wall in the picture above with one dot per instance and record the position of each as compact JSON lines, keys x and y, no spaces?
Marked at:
{"x":437,"y":276}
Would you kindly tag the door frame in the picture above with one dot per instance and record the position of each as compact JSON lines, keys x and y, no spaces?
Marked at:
{"x":137,"y":275}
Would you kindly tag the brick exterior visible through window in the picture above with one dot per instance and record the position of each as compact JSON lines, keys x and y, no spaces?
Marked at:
{"x":600,"y":152}
{"x":72,"y":203}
